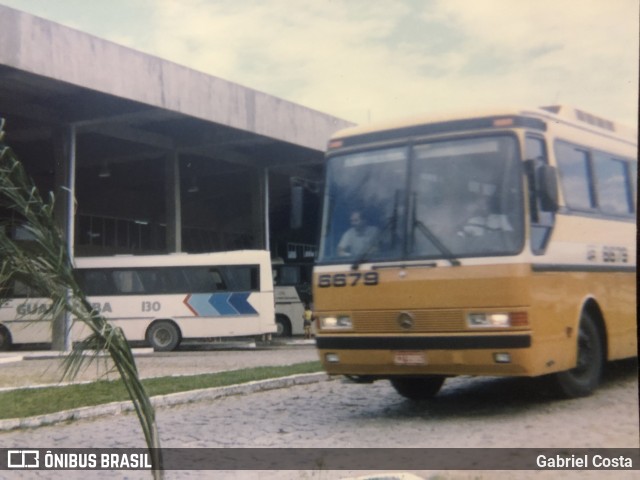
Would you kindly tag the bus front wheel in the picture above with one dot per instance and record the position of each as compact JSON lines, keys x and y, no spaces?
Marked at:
{"x":163,"y":336}
{"x":585,"y":377}
{"x":418,"y":388}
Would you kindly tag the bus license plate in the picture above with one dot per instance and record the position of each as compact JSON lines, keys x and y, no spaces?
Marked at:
{"x":409,"y":358}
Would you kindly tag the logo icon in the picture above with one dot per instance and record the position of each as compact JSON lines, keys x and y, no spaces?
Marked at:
{"x":23,"y":459}
{"x":405,"y":320}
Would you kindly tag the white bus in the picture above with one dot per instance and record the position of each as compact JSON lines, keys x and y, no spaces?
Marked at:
{"x":292,"y":287}
{"x":159,"y":299}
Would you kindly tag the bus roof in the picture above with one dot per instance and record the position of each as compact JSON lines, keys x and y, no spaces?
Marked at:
{"x":556,"y":113}
{"x":236,"y":257}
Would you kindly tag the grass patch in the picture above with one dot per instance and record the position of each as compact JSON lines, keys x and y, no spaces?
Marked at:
{"x":28,"y":402}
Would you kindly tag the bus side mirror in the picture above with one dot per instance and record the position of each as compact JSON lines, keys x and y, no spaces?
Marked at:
{"x":547,"y":188}
{"x":297,"y":207}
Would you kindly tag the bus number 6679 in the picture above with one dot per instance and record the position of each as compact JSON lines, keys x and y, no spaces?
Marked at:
{"x":348,"y":279}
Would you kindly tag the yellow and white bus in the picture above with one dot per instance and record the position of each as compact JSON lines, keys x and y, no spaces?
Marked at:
{"x":159,"y":299}
{"x":501,"y":243}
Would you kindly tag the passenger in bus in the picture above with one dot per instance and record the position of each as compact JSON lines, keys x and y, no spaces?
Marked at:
{"x":482,"y":219}
{"x":357,"y":240}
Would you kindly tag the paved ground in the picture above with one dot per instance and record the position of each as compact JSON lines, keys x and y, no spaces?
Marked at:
{"x":33,"y":368}
{"x":470,"y":412}
{"x":335,"y":414}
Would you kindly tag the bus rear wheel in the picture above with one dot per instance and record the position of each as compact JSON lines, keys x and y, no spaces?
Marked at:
{"x":585,"y":377}
{"x":163,"y":336}
{"x":418,"y":388}
{"x":283,"y":327}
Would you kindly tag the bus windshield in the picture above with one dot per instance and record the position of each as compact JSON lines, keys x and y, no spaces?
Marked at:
{"x":444,"y":199}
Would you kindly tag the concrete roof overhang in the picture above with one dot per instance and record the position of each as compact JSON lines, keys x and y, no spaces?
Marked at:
{"x":126,"y":105}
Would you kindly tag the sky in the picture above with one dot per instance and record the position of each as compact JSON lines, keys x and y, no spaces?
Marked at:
{"x":378,"y":60}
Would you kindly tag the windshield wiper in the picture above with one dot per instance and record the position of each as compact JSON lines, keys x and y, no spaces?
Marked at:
{"x":446,"y":253}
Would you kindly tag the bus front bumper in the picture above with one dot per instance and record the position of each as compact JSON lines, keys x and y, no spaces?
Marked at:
{"x":385,"y":356}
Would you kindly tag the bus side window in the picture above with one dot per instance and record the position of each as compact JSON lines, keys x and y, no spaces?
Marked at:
{"x":541,"y":222}
{"x":5,"y":291}
{"x":152,"y":281}
{"x":633,"y":188}
{"x":576,"y":176}
{"x":216,"y":280}
{"x":127,"y":281}
{"x":205,"y":279}
{"x":613,"y":186}
{"x":20,"y":290}
{"x":95,"y":282}
{"x":175,"y":280}
{"x":242,"y":278}
{"x":254,"y":273}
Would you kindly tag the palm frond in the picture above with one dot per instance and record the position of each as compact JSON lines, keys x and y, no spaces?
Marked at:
{"x":44,"y":265}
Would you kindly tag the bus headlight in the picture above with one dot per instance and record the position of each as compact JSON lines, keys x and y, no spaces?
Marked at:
{"x":488,"y":320}
{"x":332,"y":358}
{"x":335,"y":322}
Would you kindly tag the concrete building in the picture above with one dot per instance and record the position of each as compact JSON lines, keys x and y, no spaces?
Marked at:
{"x":158,"y":157}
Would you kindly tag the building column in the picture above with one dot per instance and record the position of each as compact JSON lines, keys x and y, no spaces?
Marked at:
{"x":266,"y":225}
{"x":65,"y":209}
{"x":260,"y":208}
{"x":174,"y":204}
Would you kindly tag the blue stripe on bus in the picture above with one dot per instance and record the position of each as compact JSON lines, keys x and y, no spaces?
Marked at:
{"x":239,"y":301}
{"x":220,"y":304}
{"x":200,"y":304}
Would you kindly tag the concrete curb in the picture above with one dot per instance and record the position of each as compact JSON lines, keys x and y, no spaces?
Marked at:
{"x":11,"y":358}
{"x":164,"y":400}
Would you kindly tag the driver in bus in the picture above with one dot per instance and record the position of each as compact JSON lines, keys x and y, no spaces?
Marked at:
{"x":358,"y":239}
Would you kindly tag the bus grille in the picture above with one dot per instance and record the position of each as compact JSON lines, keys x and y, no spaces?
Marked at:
{"x":424,"y":321}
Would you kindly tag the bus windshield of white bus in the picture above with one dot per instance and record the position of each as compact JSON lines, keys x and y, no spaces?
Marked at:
{"x":444,"y":199}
